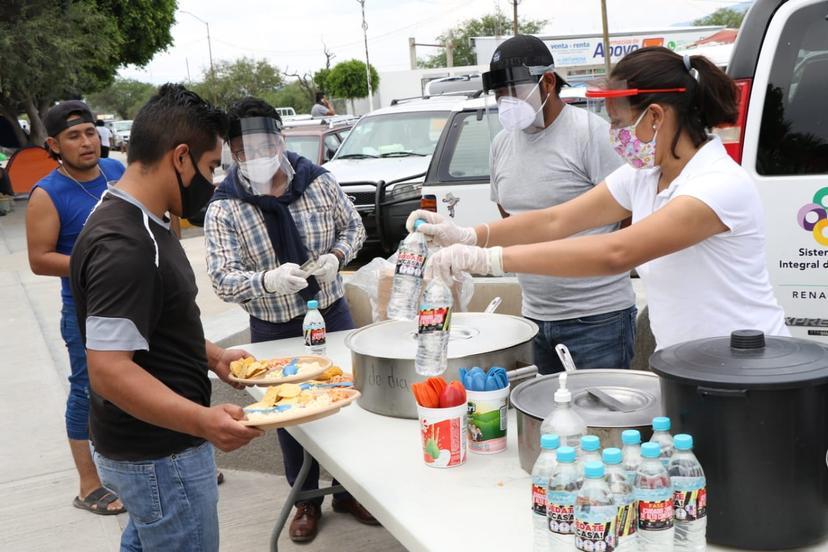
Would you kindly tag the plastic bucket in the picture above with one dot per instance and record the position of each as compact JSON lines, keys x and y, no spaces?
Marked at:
{"x":487,"y":420}
{"x":443,"y":435}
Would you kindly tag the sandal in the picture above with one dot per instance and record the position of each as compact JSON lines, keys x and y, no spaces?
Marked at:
{"x":219,"y":478}
{"x":97,"y":502}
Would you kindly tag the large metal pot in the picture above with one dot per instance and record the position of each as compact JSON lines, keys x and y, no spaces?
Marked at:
{"x":382,"y":356}
{"x":630,"y":390}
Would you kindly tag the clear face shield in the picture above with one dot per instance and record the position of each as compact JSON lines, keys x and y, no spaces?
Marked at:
{"x":515,"y":99}
{"x":258,"y":147}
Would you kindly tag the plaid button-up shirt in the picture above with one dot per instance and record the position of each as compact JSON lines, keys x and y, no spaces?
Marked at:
{"x":239,"y":251}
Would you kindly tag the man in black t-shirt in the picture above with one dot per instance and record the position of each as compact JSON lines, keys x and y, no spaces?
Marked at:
{"x":151,"y":422}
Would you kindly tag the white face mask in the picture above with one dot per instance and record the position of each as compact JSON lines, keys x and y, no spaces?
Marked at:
{"x":260,"y":173}
{"x":517,"y":114}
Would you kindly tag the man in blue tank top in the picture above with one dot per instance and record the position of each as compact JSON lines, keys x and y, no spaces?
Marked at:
{"x":58,"y":208}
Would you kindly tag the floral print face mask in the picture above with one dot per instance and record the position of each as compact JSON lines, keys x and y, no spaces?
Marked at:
{"x":640,"y":155}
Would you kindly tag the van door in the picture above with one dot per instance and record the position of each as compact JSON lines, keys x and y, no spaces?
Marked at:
{"x":459,"y":175}
{"x":786,"y":151}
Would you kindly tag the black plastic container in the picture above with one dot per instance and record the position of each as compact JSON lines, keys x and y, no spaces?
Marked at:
{"x":757,"y":408}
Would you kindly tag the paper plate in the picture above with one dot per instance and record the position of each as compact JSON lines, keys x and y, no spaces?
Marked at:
{"x":300,"y":415}
{"x":324,"y":364}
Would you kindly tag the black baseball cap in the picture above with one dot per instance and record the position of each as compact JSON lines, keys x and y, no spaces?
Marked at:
{"x":520,"y":59}
{"x":56,"y":119}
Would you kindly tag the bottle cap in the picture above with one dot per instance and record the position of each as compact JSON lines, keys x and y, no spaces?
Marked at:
{"x":313,"y":304}
{"x":562,"y":395}
{"x":550,"y":441}
{"x":661,"y":423}
{"x":650,"y":450}
{"x":631,"y":437}
{"x":590,"y":443}
{"x":566,"y":455}
{"x":682,"y":441}
{"x":593,"y":470}
{"x":612,"y":456}
{"x":418,"y":223}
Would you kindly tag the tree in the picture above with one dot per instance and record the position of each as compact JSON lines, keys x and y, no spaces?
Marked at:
{"x":60,"y":50}
{"x":293,"y":95}
{"x":233,"y":80}
{"x":730,"y":18}
{"x":124,"y":96}
{"x":488,"y":25}
{"x":347,"y":80}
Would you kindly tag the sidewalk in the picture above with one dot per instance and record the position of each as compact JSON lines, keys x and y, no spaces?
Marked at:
{"x":38,"y":480}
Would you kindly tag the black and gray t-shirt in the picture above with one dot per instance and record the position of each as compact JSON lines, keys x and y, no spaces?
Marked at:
{"x":135,"y":291}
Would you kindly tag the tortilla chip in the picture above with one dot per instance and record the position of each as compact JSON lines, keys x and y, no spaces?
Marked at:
{"x":289,"y":390}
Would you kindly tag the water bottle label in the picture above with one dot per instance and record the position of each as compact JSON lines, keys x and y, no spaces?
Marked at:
{"x":434,"y":319}
{"x":314,"y":337}
{"x":539,"y":496}
{"x":690,"y":505}
{"x":410,"y":264}
{"x":626,"y":521}
{"x":560,"y":511}
{"x":595,"y":529}
{"x":655,"y":515}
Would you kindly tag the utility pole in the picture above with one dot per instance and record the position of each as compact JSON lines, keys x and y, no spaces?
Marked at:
{"x":367,"y":64}
{"x":607,"y":51}
{"x":209,"y":44}
{"x":412,"y":52}
{"x":450,"y":50}
{"x":515,"y":17}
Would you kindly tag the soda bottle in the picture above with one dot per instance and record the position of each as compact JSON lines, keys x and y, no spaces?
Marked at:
{"x":631,"y":438}
{"x":563,"y":420}
{"x":313,"y":328}
{"x":541,"y":474}
{"x":654,"y":494}
{"x":560,"y":501}
{"x":408,"y":276}
{"x":626,"y":522}
{"x":595,"y":511}
{"x":434,"y":329}
{"x":661,"y":435}
{"x":689,"y":496}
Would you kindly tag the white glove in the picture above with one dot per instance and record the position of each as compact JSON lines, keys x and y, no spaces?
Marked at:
{"x":440,"y":230}
{"x":286,"y":279}
{"x":327,"y":268}
{"x":452,"y":261}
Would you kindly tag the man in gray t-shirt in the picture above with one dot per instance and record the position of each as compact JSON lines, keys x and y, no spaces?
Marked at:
{"x":563,"y":153}
{"x":322,"y":107}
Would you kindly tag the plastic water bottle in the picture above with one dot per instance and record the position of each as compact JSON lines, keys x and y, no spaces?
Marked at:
{"x":313,"y":328}
{"x":563,"y":420}
{"x":541,"y":474}
{"x":560,"y":501}
{"x":661,"y":435}
{"x":626,"y":522}
{"x":408,"y":276}
{"x":631,"y":438}
{"x":434,"y":329}
{"x":595,"y":512}
{"x":654,"y":494}
{"x":689,"y":496}
{"x":590,"y":452}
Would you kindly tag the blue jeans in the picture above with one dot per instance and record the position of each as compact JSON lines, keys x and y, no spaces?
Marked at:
{"x":77,"y":403}
{"x":599,"y":341}
{"x":337,"y":318}
{"x":172,"y":502}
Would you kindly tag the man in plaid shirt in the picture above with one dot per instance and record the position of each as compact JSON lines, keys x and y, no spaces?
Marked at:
{"x":274,"y":211}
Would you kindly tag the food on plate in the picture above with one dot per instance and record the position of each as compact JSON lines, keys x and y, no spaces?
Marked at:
{"x":331,"y":372}
{"x":271,"y":369}
{"x":288,"y":399}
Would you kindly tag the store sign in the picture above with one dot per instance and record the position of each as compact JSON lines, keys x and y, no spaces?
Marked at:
{"x":590,"y":51}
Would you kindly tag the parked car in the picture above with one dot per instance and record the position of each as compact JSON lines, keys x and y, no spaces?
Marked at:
{"x":780,"y":64}
{"x":317,"y":139}
{"x":382,"y":162}
{"x":120,"y":134}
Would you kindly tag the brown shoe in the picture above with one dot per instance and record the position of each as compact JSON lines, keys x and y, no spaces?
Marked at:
{"x":305,"y":523}
{"x":351,"y":506}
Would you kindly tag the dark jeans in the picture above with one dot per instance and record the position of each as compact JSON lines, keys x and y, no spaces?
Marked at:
{"x":337,"y":318}
{"x":104,"y":151}
{"x":599,"y":341}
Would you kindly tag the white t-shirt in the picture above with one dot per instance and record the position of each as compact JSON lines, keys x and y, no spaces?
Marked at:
{"x":720,"y":284}
{"x":105,"y":135}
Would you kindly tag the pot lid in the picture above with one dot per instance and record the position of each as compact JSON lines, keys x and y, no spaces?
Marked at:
{"x":472,"y":333}
{"x":746,"y":360}
{"x":600,"y":397}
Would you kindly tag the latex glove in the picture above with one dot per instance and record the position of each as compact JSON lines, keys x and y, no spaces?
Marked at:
{"x":286,"y":279}
{"x":327,"y":268}
{"x":440,"y":230}
{"x":452,"y":261}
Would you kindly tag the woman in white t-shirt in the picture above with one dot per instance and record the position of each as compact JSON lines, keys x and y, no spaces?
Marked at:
{"x":697,"y":236}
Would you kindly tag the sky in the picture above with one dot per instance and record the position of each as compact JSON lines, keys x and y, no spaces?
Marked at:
{"x":291,"y":33}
